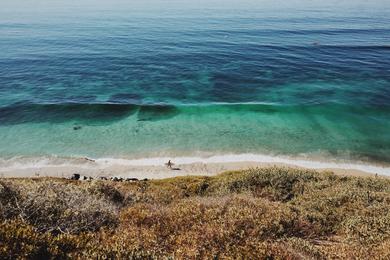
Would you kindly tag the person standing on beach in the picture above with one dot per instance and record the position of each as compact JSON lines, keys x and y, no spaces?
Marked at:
{"x":169,"y":164}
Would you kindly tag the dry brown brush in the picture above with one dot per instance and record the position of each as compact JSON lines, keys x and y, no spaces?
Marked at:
{"x":270,"y":213}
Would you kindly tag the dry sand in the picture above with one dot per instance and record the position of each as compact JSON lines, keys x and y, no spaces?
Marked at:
{"x":140,"y":169}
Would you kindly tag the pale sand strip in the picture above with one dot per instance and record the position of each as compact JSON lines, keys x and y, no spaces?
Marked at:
{"x":153,"y":168}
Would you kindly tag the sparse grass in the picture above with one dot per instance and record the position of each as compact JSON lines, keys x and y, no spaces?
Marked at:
{"x":270,"y":213}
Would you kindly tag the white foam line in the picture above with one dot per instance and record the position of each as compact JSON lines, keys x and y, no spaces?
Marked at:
{"x":102,"y":163}
{"x":235,"y":158}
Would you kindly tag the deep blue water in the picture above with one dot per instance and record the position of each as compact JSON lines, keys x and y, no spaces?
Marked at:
{"x":171,"y":77}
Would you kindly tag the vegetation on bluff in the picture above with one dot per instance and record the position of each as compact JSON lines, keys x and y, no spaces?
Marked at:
{"x":258,"y":213}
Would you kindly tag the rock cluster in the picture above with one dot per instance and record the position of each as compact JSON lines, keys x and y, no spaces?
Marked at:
{"x":78,"y":177}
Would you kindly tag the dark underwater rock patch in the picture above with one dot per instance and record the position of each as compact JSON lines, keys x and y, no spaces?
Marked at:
{"x":58,"y":113}
{"x":157,"y":112}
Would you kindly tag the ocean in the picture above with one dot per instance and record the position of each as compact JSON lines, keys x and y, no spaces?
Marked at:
{"x":143,"y":79}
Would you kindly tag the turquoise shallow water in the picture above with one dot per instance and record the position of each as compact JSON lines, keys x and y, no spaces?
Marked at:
{"x":332,"y":131}
{"x":146,"y":80}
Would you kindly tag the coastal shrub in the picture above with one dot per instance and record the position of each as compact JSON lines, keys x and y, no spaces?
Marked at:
{"x":8,"y":197}
{"x":168,"y":190}
{"x":208,"y":227}
{"x":275,"y":183}
{"x":329,"y":205}
{"x":107,"y":191}
{"x":370,"y":226}
{"x":19,"y":240}
{"x":61,"y":207}
{"x":270,"y":213}
{"x":333,"y":248}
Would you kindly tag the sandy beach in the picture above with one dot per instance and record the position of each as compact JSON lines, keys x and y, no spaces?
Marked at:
{"x":155,"y":168}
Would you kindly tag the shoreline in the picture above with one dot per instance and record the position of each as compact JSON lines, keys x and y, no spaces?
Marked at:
{"x":154,"y":168}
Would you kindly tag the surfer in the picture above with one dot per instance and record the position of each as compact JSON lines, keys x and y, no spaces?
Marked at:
{"x":169,"y":164}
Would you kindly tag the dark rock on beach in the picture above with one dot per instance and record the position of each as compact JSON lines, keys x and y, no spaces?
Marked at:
{"x":132,"y":179}
{"x":75,"y":176}
{"x":117,"y":179}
